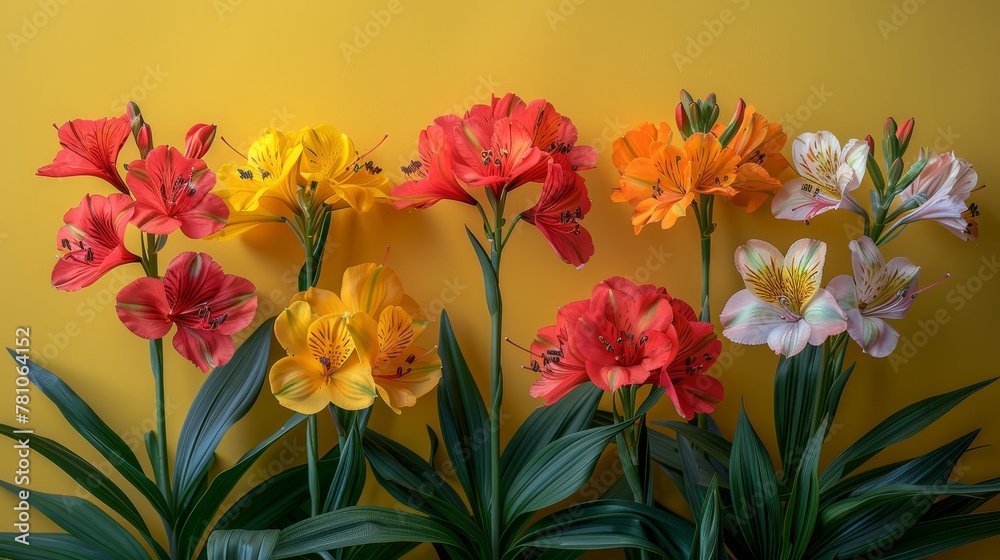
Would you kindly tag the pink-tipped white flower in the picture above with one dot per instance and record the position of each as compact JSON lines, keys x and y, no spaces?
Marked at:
{"x":783,"y":304}
{"x":828,"y":172}
{"x":942,"y":191}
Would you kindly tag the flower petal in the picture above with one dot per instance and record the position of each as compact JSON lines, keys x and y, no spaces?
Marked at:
{"x":298,"y":383}
{"x":352,"y":387}
{"x":748,"y":320}
{"x":369,"y":288}
{"x":789,"y":338}
{"x":204,"y":348}
{"x":291,"y":328}
{"x":142,"y":306}
{"x":825,"y":317}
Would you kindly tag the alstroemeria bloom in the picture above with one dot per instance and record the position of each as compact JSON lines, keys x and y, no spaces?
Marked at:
{"x":553,"y":133}
{"x":637,"y":143}
{"x":330,"y":160}
{"x":563,"y":203}
{"x":942,"y":189}
{"x":90,"y":147}
{"x":372,"y":352}
{"x":553,"y":356}
{"x":687,"y":385}
{"x":432,"y":179}
{"x":207,"y":305}
{"x":265,"y":189}
{"x":662,"y":186}
{"x":828,"y":172}
{"x":878,"y":291}
{"x":92,"y":241}
{"x":173,"y":191}
{"x":783,"y":304}
{"x":496,"y":153}
{"x":758,"y":144}
{"x":626,"y":334}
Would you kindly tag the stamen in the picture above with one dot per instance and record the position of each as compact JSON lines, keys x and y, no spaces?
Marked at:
{"x":364,"y":155}
{"x":942,"y":279}
{"x":386,"y":256}
{"x":519,"y":347}
{"x":226,"y":142}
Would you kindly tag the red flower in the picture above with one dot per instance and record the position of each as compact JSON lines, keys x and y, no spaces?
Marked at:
{"x":496,"y":153}
{"x":556,"y":359}
{"x":207,"y":305}
{"x":435,"y":173}
{"x":92,"y":241}
{"x":564,"y":202}
{"x":627,"y":333}
{"x":172,"y":191}
{"x":685,"y":379}
{"x":198,"y":140}
{"x":90,"y":148}
{"x":554,"y":134}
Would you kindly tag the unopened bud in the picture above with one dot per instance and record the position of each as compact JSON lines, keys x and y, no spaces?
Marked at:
{"x":198,"y":140}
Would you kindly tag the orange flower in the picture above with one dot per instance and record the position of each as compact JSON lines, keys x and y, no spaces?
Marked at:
{"x":661,"y":185}
{"x":638,"y":142}
{"x":758,"y":144}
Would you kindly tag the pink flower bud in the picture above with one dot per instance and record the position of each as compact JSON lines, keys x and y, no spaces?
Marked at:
{"x":871,"y":144}
{"x":904,"y":131}
{"x":198,"y":140}
{"x":144,"y":140}
{"x":682,"y":118}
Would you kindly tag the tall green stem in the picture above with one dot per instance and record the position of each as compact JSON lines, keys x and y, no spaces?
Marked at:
{"x":312,"y":455}
{"x":703,"y":212}
{"x":496,"y":382}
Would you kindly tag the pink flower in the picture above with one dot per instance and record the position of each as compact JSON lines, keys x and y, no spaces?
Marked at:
{"x":91,"y":148}
{"x":92,"y":241}
{"x":207,"y":305}
{"x":564,"y":202}
{"x":172,"y":191}
{"x":942,"y":191}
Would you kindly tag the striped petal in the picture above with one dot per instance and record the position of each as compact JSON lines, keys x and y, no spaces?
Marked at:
{"x":352,"y":387}
{"x":369,"y":288}
{"x":291,"y":328}
{"x":298,"y":382}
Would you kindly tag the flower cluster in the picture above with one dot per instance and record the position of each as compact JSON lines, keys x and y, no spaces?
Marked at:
{"x":500,"y":147}
{"x":660,"y":180}
{"x":350,"y":348}
{"x":164,"y":191}
{"x":628,"y":334}
{"x":298,"y":178}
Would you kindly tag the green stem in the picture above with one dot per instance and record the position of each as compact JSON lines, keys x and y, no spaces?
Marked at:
{"x":162,"y":471}
{"x":312,"y":455}
{"x":496,"y":378}
{"x":703,"y":212}
{"x":834,"y":351}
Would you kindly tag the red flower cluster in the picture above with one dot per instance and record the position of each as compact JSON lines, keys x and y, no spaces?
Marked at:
{"x":500,"y":147}
{"x":627,"y":334}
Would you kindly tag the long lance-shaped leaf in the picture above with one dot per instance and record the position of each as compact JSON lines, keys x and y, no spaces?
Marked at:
{"x":87,"y":522}
{"x":88,"y":424}
{"x":465,"y":426}
{"x":224,"y":398}
{"x":803,"y":503}
{"x":609,"y":524}
{"x":710,"y":544}
{"x":895,"y":429}
{"x":795,"y":389}
{"x":349,"y":478}
{"x":928,"y":538}
{"x":242,"y":545}
{"x":754,"y":488}
{"x":86,"y":475}
{"x":714,"y":445}
{"x":190,"y":532}
{"x":49,"y":546}
{"x":359,"y":525}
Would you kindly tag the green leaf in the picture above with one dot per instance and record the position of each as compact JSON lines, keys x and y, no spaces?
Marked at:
{"x":754,"y":489}
{"x":380,"y":551}
{"x":803,"y":503}
{"x":489,"y":274}
{"x":49,"y":546}
{"x":609,"y":524}
{"x":349,"y":478}
{"x":836,"y":392}
{"x":714,"y":445}
{"x":569,"y":415}
{"x":693,"y":475}
{"x":87,"y":522}
{"x":88,"y":424}
{"x":225,"y":397}
{"x":86,"y":475}
{"x":281,"y":494}
{"x":795,"y":388}
{"x":557,"y":470}
{"x":710,"y":544}
{"x":960,"y":505}
{"x":242,"y":545}
{"x":359,"y":525}
{"x":932,"y":537}
{"x":465,"y":427}
{"x":895,"y":429}
{"x":195,"y":524}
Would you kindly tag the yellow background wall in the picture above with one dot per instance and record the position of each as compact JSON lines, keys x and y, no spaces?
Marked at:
{"x":247,"y":64}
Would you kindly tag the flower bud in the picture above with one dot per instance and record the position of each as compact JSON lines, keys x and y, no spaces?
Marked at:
{"x":134,"y":116}
{"x":198,"y":140}
{"x":683,"y":124}
{"x":144,"y":140}
{"x":903,"y":134}
{"x":871,"y":144}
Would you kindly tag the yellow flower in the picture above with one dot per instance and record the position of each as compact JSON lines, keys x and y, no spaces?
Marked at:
{"x":363,"y":346}
{"x":330,"y":161}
